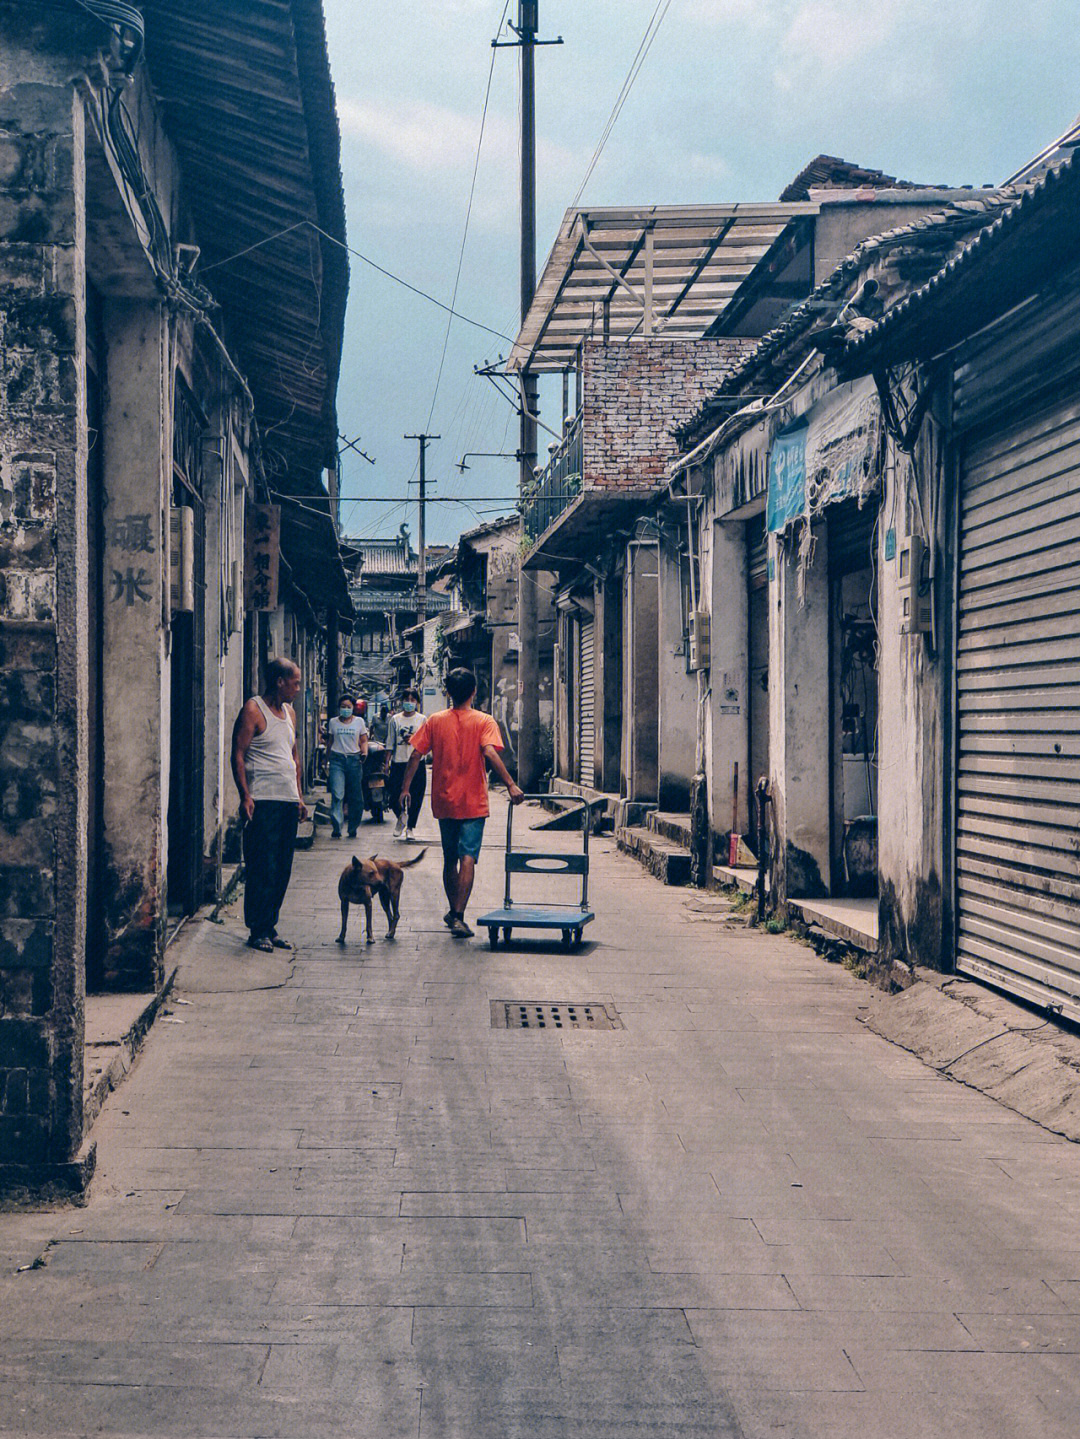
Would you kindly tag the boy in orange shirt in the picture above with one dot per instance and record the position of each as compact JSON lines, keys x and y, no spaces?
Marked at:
{"x":459,"y":740}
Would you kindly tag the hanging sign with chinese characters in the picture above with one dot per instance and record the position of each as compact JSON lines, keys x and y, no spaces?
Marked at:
{"x":262,"y":550}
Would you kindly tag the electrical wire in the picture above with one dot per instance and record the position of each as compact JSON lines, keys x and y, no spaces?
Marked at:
{"x":359,"y":255}
{"x":651,"y":31}
{"x":125,"y":21}
{"x":468,"y":217}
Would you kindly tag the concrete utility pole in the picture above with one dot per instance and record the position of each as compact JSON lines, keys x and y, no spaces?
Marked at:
{"x":528,"y":633}
{"x":421,"y":559}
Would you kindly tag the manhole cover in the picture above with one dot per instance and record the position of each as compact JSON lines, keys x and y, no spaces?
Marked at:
{"x":546,"y":1014}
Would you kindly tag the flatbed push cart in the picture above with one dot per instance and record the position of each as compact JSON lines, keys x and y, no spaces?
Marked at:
{"x":569,"y":919}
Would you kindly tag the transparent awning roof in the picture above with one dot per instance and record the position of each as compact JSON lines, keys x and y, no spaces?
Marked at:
{"x":621,"y":274}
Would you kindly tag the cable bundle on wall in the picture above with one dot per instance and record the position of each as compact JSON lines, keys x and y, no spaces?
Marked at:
{"x":126,"y":21}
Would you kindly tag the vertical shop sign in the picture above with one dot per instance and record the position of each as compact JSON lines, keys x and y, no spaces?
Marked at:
{"x":262,"y":551}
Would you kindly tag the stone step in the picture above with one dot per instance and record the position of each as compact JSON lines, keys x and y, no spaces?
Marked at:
{"x":669,"y":862}
{"x":675,"y":827}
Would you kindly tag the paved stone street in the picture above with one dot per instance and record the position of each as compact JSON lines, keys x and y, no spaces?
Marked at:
{"x":346,"y":1205}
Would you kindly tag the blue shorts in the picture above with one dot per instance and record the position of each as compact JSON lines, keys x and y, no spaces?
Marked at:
{"x":461,"y":837}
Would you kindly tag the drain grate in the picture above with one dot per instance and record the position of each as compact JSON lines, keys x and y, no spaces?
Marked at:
{"x":546,"y":1014}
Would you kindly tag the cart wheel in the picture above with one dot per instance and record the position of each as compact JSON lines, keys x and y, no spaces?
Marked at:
{"x":507,"y":932}
{"x":579,"y":935}
{"x":567,"y":938}
{"x":493,"y":936}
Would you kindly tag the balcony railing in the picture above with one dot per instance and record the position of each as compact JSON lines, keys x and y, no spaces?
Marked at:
{"x":545,"y":498}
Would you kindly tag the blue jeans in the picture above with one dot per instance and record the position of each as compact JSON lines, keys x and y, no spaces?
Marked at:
{"x":346,"y":783}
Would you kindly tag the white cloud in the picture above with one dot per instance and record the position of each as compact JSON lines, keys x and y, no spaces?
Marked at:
{"x":435,"y":146}
{"x":831,"y":34}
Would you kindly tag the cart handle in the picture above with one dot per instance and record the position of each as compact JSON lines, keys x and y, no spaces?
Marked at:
{"x":587,"y":807}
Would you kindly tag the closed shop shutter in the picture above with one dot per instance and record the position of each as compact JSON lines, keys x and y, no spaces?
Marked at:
{"x":1018,"y":709}
{"x":586,"y":701}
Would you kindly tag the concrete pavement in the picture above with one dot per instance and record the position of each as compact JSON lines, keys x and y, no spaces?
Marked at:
{"x":333,"y":1200}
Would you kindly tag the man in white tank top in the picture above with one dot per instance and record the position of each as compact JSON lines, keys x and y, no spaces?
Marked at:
{"x":266,"y":767}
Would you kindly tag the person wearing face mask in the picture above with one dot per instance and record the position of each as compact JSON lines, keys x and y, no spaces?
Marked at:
{"x":347,"y":742}
{"x":404,"y":723}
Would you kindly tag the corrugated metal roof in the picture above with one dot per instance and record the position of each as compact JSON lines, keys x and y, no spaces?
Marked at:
{"x":690,"y":258}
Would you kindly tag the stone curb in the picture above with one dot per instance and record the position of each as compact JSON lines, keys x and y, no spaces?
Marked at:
{"x":127,"y":1047}
{"x":1017,"y":1056}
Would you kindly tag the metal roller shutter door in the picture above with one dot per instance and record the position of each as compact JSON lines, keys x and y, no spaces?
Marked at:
{"x":586,"y":702}
{"x":1018,"y":710}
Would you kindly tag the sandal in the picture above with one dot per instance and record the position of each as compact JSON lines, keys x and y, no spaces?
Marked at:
{"x":279,"y":943}
{"x":265,"y":945}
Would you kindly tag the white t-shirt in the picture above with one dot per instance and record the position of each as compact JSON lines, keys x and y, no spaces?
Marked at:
{"x":345,"y":735}
{"x":402,"y":729}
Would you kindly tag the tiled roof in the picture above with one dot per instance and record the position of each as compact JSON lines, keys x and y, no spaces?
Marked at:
{"x":936,"y":234}
{"x":829,"y":172}
{"x":1018,"y":206}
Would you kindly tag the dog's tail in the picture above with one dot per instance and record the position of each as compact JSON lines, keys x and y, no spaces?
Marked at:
{"x":408,"y":863}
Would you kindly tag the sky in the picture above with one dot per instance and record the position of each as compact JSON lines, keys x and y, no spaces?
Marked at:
{"x":734,"y":97}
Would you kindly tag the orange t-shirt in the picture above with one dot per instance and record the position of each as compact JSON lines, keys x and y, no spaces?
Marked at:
{"x":455,"y":739}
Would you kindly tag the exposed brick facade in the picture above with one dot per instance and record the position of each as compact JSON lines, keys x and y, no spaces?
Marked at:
{"x":634,"y":395}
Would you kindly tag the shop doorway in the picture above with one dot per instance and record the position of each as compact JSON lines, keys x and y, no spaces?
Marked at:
{"x":185,"y":876}
{"x":853,"y":609}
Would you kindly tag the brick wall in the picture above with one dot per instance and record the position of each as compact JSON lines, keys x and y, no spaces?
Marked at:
{"x":43,"y":642}
{"x":635,"y":394}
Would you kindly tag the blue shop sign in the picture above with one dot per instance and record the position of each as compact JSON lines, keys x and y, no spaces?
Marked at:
{"x":787,"y":478}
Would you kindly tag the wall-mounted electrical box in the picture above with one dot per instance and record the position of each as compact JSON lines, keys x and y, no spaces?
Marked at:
{"x":700,"y":635}
{"x":913,"y":584}
{"x":182,"y":559}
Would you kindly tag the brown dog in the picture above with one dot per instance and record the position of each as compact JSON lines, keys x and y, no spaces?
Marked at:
{"x":364,"y":878}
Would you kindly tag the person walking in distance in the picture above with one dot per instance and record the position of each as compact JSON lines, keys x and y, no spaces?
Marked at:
{"x":459,"y":741}
{"x":404,"y":723}
{"x":347,"y":739}
{"x":266,"y":768}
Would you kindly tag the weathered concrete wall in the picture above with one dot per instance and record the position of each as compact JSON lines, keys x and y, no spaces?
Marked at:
{"x":799,"y":722}
{"x":677,"y":688}
{"x":641,"y":736}
{"x":137,"y":427}
{"x":726,"y":729}
{"x":43,"y":607}
{"x":913,"y":785}
{"x":635,"y":394}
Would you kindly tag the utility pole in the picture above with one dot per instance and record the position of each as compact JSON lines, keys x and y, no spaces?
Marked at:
{"x":528,"y":631}
{"x":421,"y":559}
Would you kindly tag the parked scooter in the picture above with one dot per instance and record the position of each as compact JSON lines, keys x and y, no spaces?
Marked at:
{"x":376,"y":767}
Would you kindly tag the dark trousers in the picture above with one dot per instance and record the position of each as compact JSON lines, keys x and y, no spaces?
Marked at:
{"x":269,"y":844}
{"x":416,"y":794}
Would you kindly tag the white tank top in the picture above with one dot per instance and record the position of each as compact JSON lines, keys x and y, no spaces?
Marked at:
{"x":271,"y":768}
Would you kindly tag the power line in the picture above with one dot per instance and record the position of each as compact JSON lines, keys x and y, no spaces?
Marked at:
{"x":651,"y":31}
{"x":351,"y":249}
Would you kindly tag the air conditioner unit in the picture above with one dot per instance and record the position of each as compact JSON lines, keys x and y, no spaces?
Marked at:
{"x":182,"y":559}
{"x":700,"y":636}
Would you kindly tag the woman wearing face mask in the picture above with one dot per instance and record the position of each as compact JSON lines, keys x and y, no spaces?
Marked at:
{"x":347,"y":741}
{"x":404,"y":723}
